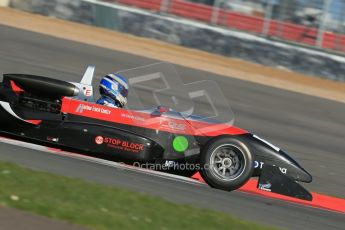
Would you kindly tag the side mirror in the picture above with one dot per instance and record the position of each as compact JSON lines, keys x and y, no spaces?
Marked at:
{"x":159,"y":111}
{"x":163,"y":109}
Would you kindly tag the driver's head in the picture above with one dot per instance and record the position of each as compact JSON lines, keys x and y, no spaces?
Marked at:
{"x":116,"y":87}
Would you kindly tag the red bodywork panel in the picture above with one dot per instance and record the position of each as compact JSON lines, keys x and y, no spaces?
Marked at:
{"x":34,"y":122}
{"x":146,"y":120}
{"x":15,"y":88}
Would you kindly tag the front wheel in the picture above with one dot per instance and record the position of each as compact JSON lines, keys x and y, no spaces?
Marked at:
{"x":227,"y":163}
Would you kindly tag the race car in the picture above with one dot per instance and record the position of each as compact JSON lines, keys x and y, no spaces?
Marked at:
{"x":64,"y":115}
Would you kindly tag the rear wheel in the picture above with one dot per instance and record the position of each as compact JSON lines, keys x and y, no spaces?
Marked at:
{"x":227,"y":163}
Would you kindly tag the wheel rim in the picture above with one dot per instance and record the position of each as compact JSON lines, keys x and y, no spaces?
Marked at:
{"x":227,"y":162}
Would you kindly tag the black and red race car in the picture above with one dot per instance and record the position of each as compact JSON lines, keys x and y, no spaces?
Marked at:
{"x":64,"y":114}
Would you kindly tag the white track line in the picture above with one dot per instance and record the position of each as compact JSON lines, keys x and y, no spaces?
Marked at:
{"x":119,"y":166}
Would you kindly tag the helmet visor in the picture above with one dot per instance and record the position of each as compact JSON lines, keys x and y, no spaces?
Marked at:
{"x":122,"y":90}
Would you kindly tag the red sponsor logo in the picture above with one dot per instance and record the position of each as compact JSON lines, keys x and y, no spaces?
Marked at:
{"x":99,"y":140}
{"x":88,"y":92}
{"x":123,"y":145}
{"x":94,"y":108}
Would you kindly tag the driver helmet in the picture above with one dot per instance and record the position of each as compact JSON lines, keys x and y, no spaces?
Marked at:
{"x":115,"y":87}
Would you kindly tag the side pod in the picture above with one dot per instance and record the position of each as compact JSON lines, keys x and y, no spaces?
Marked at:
{"x":273,"y":180}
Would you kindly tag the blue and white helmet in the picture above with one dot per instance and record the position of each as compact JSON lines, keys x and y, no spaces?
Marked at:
{"x":116,"y":87}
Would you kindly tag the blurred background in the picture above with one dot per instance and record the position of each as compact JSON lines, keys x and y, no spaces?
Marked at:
{"x":319,"y":23}
{"x":305,"y":36}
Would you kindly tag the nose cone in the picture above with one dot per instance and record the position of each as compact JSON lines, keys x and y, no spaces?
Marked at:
{"x":295,"y":170}
{"x":303,"y":175}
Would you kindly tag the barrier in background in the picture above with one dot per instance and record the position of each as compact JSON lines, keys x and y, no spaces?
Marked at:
{"x":284,"y":21}
{"x":191,"y":34}
{"x":4,"y":2}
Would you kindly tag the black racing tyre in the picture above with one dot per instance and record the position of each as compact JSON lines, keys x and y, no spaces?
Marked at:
{"x":227,"y":163}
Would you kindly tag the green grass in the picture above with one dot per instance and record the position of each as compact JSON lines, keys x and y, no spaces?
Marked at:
{"x":102,"y":207}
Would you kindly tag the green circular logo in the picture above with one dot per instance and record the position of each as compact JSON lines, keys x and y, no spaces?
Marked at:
{"x":180,"y":144}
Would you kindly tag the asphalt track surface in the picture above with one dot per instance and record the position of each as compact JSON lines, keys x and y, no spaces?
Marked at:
{"x":310,"y":129}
